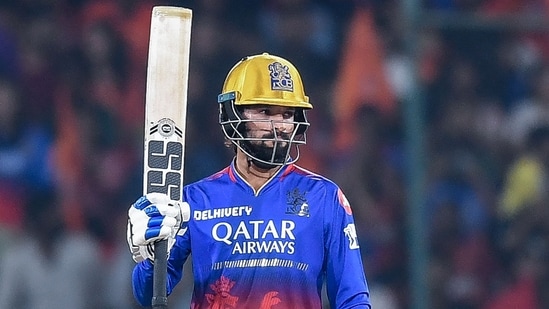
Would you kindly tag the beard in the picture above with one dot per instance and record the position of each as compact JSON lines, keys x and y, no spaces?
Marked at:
{"x":263,"y":150}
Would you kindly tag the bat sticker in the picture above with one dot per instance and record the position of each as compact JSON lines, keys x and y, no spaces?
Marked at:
{"x":166,"y":127}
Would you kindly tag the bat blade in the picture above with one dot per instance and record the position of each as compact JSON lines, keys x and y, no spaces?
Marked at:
{"x":165,"y":118}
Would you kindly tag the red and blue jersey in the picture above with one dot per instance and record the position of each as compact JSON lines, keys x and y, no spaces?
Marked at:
{"x":270,"y":248}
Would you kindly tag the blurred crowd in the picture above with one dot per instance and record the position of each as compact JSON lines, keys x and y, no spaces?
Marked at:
{"x":72,"y":88}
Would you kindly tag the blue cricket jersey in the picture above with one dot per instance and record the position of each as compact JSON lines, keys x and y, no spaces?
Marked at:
{"x":267,"y":249}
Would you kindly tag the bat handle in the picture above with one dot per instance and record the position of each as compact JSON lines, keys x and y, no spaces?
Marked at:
{"x":160,"y":275}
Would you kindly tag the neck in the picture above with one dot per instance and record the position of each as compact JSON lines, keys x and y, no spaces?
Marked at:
{"x":254,"y":175}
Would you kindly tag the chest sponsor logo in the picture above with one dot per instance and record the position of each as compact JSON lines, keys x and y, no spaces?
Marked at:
{"x":257,"y":236}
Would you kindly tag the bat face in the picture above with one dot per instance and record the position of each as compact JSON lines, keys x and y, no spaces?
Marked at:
{"x":166,"y":100}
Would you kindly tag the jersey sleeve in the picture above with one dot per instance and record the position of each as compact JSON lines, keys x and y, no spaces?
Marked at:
{"x":345,"y":279}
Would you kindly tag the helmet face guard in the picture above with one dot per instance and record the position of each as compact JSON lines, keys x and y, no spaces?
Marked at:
{"x":285,"y":147}
{"x":264,"y":80}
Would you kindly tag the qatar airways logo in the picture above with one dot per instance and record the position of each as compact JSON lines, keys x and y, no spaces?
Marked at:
{"x":257,"y":236}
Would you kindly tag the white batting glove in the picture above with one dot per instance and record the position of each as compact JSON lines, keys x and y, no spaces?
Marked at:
{"x":154,"y":217}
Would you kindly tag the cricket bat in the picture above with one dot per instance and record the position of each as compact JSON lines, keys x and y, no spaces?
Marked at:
{"x":165,"y":118}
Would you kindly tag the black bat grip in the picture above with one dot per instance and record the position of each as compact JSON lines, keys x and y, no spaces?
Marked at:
{"x":160,"y":275}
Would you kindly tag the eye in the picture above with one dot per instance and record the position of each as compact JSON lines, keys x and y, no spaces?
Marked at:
{"x":289,"y":114}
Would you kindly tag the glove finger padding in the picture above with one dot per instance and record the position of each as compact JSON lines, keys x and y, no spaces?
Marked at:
{"x":154,"y":221}
{"x":154,"y":217}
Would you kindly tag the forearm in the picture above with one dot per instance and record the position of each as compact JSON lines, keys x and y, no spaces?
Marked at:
{"x":142,"y":282}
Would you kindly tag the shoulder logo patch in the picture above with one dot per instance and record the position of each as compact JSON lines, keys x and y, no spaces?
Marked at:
{"x":350,"y":232}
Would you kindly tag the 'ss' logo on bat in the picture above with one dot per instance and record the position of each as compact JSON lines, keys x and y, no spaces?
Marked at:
{"x":165,"y":159}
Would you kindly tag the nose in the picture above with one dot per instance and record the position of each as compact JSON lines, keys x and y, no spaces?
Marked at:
{"x":282,"y":125}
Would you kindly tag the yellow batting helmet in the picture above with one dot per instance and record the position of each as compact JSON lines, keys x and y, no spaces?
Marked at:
{"x":263,"y":79}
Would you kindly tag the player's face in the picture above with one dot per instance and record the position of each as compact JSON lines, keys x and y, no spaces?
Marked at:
{"x":270,"y":123}
{"x":269,"y":130}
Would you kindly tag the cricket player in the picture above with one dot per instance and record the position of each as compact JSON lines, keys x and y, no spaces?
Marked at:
{"x":263,"y":232}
